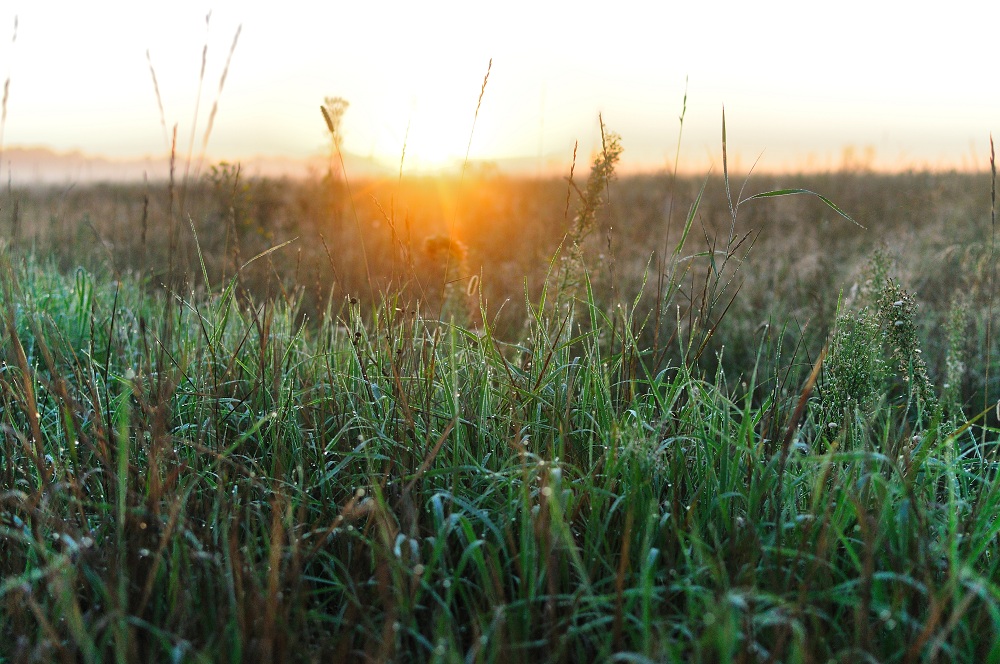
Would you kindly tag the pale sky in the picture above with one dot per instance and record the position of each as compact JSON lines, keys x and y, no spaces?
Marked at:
{"x":800,"y":81}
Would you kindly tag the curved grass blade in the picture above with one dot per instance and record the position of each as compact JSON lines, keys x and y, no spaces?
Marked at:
{"x":792,"y":192}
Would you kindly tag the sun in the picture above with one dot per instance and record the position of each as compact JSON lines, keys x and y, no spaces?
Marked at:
{"x":436,"y":139}
{"x":432,"y":145}
{"x":430,"y":137}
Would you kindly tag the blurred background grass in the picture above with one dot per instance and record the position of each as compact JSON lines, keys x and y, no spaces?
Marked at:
{"x":804,"y":257}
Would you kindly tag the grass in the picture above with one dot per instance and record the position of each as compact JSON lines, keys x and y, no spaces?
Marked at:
{"x":323,"y":454}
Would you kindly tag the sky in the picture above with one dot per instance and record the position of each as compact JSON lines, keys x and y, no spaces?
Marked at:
{"x":803,"y":85}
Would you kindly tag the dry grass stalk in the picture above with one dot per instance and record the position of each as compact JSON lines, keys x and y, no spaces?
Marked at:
{"x":159,"y":101}
{"x":215,"y":104}
{"x":6,"y":96}
{"x":992,"y":288}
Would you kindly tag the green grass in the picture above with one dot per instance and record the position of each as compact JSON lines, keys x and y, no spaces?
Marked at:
{"x":223,"y":471}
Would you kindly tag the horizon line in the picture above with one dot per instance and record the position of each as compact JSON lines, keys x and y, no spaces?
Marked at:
{"x":52,"y":165}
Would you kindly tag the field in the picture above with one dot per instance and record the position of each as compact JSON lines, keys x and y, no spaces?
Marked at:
{"x":633,"y":419}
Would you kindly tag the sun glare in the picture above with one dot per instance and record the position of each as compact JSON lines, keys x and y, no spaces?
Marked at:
{"x":432,"y":144}
{"x":433,"y":126}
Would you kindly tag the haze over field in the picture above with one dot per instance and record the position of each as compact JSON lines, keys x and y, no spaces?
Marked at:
{"x":864,"y":85}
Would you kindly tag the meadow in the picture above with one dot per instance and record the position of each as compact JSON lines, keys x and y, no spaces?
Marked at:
{"x":631,"y":419}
